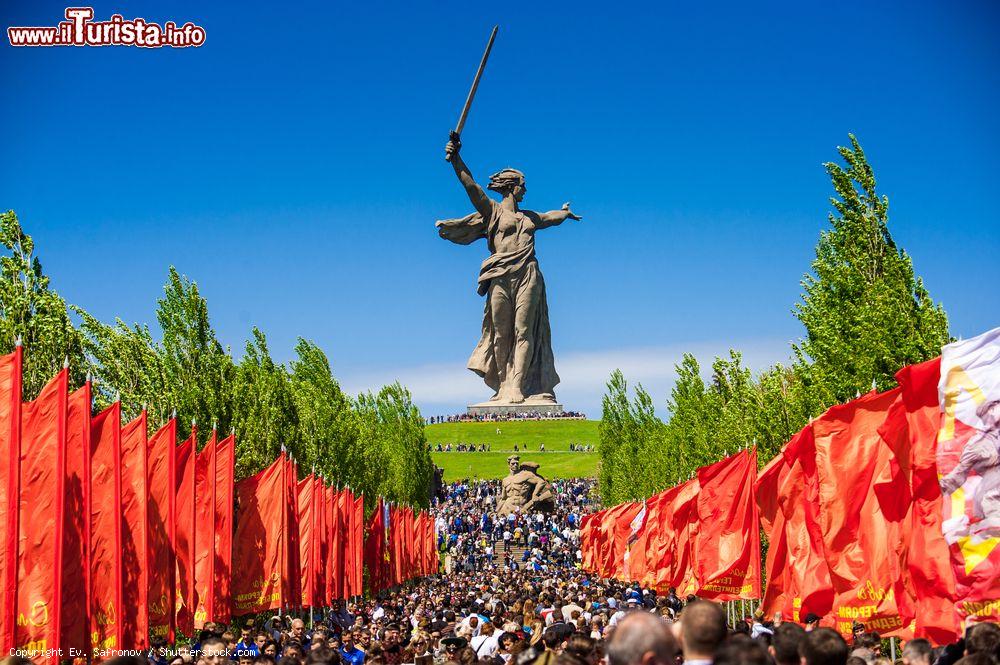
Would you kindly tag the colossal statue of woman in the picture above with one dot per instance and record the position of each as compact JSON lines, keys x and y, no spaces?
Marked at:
{"x":514,"y":355}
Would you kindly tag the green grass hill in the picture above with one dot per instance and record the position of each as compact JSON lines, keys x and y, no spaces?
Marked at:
{"x":556,"y":462}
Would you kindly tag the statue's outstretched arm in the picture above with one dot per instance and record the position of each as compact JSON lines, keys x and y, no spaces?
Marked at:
{"x":960,"y":473}
{"x":556,"y":217}
{"x":481,"y":202}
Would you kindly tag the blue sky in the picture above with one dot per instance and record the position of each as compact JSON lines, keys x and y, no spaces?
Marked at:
{"x":293,"y":167}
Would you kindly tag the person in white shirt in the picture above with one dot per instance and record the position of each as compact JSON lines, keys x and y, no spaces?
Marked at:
{"x":471,"y":623}
{"x":485,"y":644}
{"x":568,"y":608}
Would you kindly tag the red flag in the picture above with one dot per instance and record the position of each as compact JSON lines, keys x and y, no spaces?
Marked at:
{"x":340,"y":544}
{"x":348,"y":507}
{"x":420,"y":544}
{"x":105,"y":530}
{"x":435,"y":546}
{"x":375,"y":553}
{"x":204,"y":527}
{"x":408,"y":542}
{"x":333,"y":542}
{"x":911,"y":430}
{"x":778,"y":593}
{"x":414,"y":544}
{"x":863,"y":544}
{"x":40,"y":524}
{"x":636,"y":526}
{"x":322,"y":551}
{"x":261,"y":540}
{"x":225,"y":458}
{"x":184,"y":531}
{"x":622,"y":530}
{"x":650,"y":542}
{"x":161,"y":481}
{"x":321,"y":545}
{"x":135,"y":552}
{"x":427,"y":543}
{"x":10,"y":441}
{"x":728,"y":562}
{"x":398,"y":556}
{"x":683,"y":529}
{"x":348,"y":526}
{"x":357,"y":548}
{"x":308,"y":535}
{"x":41,"y":485}
{"x":588,"y":540}
{"x":326,"y":545}
{"x":644,"y":556}
{"x":605,"y":555}
{"x":809,"y":586}
{"x":76,"y":532}
{"x":292,"y":595}
{"x":321,"y":542}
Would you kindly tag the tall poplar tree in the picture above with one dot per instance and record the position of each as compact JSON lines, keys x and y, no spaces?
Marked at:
{"x":32,"y":311}
{"x":865,"y":313}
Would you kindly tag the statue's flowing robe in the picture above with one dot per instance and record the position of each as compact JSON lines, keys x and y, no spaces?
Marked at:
{"x":508,"y":278}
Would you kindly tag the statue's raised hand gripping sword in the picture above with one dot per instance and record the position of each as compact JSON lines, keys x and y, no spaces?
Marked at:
{"x":455,"y":135}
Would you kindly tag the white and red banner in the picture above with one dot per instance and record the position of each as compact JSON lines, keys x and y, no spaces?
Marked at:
{"x":968,"y":460}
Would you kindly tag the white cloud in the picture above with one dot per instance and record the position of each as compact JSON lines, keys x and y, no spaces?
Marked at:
{"x":446,"y":388}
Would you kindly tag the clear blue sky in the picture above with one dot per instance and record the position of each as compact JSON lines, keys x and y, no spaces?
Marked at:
{"x":293,"y":167}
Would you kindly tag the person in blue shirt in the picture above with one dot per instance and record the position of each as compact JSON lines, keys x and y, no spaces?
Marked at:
{"x":247,"y":644}
{"x":350,"y":654}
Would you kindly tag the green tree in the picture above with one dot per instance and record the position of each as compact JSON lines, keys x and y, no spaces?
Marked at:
{"x":394,"y":458}
{"x":866,"y":315}
{"x":264,"y":412}
{"x":864,"y":312}
{"x":32,"y":312}
{"x":375,"y":443}
{"x":188,"y":371}
{"x":615,"y":420}
{"x":128,"y":367}
{"x":198,"y":369}
{"x":633,"y":461}
{"x":327,"y":426}
{"x":781,"y":408}
{"x":693,"y":412}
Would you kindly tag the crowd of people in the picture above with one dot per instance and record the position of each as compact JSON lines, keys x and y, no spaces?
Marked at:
{"x":464,"y":447}
{"x":504,"y":616}
{"x":527,"y":414}
{"x":477,"y":538}
{"x":511,"y":593}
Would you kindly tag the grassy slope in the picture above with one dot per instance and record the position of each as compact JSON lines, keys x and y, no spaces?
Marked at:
{"x":555,"y":462}
{"x":555,"y":434}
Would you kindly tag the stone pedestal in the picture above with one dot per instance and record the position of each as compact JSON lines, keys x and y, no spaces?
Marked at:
{"x":541,"y":407}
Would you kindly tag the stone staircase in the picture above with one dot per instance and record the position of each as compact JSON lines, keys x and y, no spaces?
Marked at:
{"x":516,"y":552}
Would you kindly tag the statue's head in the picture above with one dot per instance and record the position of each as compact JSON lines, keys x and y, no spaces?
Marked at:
{"x":508,"y":182}
{"x":989,"y":413}
{"x":514,"y":463}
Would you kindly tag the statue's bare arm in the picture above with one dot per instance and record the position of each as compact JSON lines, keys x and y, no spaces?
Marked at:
{"x":481,"y":202}
{"x":556,"y":217}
